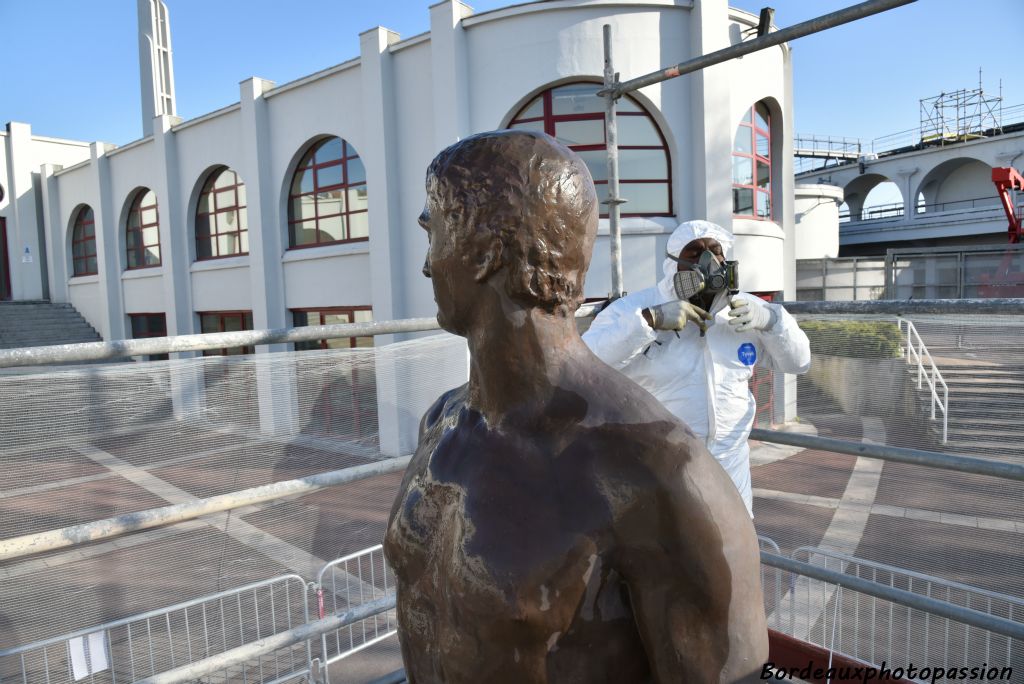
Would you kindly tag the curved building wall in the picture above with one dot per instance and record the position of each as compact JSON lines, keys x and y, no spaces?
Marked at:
{"x":816,"y":207}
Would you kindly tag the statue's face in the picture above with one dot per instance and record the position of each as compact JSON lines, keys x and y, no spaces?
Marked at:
{"x":448,"y":272}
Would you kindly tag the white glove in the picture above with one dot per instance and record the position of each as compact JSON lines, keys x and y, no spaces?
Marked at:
{"x":750,"y":314}
{"x":674,"y":315}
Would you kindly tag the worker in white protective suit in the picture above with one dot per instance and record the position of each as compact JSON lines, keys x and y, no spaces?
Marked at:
{"x":693,"y":344}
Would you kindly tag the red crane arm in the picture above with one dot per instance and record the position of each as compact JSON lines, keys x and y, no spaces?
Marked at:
{"x":1007,"y":179}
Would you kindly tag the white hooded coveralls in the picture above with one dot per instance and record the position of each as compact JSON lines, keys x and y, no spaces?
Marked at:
{"x":704,"y":381}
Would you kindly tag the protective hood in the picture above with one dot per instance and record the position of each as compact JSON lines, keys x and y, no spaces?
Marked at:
{"x":683,"y":235}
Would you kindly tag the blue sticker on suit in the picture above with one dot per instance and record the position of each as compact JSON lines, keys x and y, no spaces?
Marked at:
{"x":747,"y":354}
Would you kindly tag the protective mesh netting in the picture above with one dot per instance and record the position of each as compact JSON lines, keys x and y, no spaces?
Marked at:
{"x":92,"y":442}
{"x":952,"y":536}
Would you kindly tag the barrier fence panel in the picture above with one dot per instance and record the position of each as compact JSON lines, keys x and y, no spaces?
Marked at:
{"x":347,"y":583}
{"x":876,"y":630}
{"x":142,"y":645}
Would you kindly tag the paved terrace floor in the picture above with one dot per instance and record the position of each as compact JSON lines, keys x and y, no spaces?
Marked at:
{"x":960,"y":527}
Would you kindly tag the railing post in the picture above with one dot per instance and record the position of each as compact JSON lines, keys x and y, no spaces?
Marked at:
{"x":935,"y":390}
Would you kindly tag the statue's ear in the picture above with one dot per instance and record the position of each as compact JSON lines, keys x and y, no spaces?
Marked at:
{"x":487,"y":261}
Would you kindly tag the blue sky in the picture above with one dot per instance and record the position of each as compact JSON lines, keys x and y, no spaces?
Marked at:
{"x":71,"y":67}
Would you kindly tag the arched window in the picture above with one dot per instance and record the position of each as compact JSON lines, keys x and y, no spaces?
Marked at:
{"x":142,"y":233}
{"x":83,"y":243}
{"x":752,"y":165}
{"x":222,"y":228}
{"x":328,"y":202}
{"x":575,"y":115}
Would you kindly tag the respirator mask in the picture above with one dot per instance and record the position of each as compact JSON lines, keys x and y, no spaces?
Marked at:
{"x":706,"y":276}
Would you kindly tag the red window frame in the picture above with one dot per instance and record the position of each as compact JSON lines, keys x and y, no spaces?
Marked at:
{"x":315,"y":162}
{"x":5,"y":265}
{"x":245,"y":317}
{"x":550,"y":119}
{"x":140,"y":248}
{"x":145,"y":325}
{"x":222,"y":202}
{"x":749,"y":126}
{"x":83,"y":239}
{"x":301,"y":318}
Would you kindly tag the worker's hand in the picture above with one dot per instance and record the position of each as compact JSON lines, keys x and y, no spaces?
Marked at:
{"x":750,"y":314}
{"x":674,"y":315}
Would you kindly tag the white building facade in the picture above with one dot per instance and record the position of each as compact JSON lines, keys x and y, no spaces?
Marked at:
{"x":299,"y":203}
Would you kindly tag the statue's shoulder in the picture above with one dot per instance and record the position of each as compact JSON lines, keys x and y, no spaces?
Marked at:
{"x":449,"y":402}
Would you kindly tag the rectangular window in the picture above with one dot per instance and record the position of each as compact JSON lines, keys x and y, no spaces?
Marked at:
{"x":346,"y":402}
{"x":225,"y":321}
{"x":331,"y":316}
{"x":149,"y":325}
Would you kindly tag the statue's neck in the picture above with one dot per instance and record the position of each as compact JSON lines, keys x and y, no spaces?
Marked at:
{"x":518,"y":359}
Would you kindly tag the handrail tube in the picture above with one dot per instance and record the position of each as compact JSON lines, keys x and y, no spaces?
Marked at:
{"x":242,"y":654}
{"x":904,"y":307}
{"x":102,"y":529}
{"x":884,"y":567}
{"x":101,"y":351}
{"x":28,"y":544}
{"x":967,"y":616}
{"x":119,"y":349}
{"x":920,"y":354}
{"x":804,"y":28}
{"x":930,"y":459}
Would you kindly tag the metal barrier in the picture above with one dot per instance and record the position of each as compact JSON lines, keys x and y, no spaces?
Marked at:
{"x":348,"y":582}
{"x":158,"y":640}
{"x":882,"y":630}
{"x":918,"y":353}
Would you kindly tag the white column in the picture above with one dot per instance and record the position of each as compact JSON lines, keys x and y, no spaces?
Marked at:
{"x":380,"y":158}
{"x":266,"y":274}
{"x":109,"y":260}
{"x":448,"y":67}
{"x":711,"y":156}
{"x":172,"y":208}
{"x":55,"y":233}
{"x":23,"y":224}
{"x":275,"y":381}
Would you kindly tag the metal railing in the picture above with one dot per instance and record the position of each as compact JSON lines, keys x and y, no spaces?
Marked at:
{"x":354,"y":580}
{"x":918,"y":353}
{"x":883,"y":630}
{"x":158,"y":640}
{"x":74,"y":535}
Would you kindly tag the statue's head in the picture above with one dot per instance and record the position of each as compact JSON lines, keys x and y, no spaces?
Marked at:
{"x":516,"y":210}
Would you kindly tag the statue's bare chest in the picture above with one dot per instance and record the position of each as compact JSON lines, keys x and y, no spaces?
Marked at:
{"x":492,"y":525}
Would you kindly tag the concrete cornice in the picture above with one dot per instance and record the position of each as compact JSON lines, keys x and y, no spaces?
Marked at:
{"x":69,"y":169}
{"x":409,"y":42}
{"x":61,"y":141}
{"x":316,"y":76}
{"x":124,"y":148}
{"x":206,"y":117}
{"x":553,"y":5}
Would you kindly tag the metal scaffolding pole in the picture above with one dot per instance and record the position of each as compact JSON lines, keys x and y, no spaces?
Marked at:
{"x":612,"y":142}
{"x":614,"y":89}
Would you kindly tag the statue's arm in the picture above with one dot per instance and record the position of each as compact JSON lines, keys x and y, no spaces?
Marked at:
{"x":694,"y":582}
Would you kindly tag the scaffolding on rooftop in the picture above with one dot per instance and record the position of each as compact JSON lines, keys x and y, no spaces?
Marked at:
{"x":960,"y":115}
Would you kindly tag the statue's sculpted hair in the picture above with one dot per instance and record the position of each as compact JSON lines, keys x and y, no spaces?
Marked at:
{"x":534,"y":196}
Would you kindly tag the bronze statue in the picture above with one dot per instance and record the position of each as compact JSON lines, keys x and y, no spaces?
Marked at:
{"x":556,"y":524}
